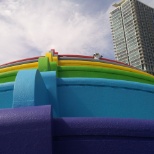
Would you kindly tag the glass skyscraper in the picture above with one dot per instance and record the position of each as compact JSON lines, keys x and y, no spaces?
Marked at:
{"x":132,"y":24}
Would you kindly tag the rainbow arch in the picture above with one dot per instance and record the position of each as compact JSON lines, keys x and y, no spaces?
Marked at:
{"x":75,"y":66}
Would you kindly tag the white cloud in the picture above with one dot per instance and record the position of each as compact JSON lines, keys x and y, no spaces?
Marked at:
{"x":29,"y":28}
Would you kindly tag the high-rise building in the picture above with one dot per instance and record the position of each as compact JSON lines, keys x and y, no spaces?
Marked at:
{"x":132,"y":24}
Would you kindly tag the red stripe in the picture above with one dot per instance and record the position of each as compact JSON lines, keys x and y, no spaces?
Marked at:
{"x":81,"y":56}
{"x":20,"y":61}
{"x":75,"y":56}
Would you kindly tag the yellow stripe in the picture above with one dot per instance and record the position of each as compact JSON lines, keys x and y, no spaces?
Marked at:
{"x":99,"y":64}
{"x":19,"y":67}
{"x":49,"y":55}
{"x":55,"y":59}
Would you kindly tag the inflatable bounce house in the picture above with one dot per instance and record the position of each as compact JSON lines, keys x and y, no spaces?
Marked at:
{"x":73,"y":104}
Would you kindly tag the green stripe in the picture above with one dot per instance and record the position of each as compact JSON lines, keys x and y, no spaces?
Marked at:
{"x":93,"y":72}
{"x":8,"y":76}
{"x":90,"y":72}
{"x":43,"y":64}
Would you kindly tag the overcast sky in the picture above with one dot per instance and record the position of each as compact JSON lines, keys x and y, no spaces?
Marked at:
{"x":30,"y":28}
